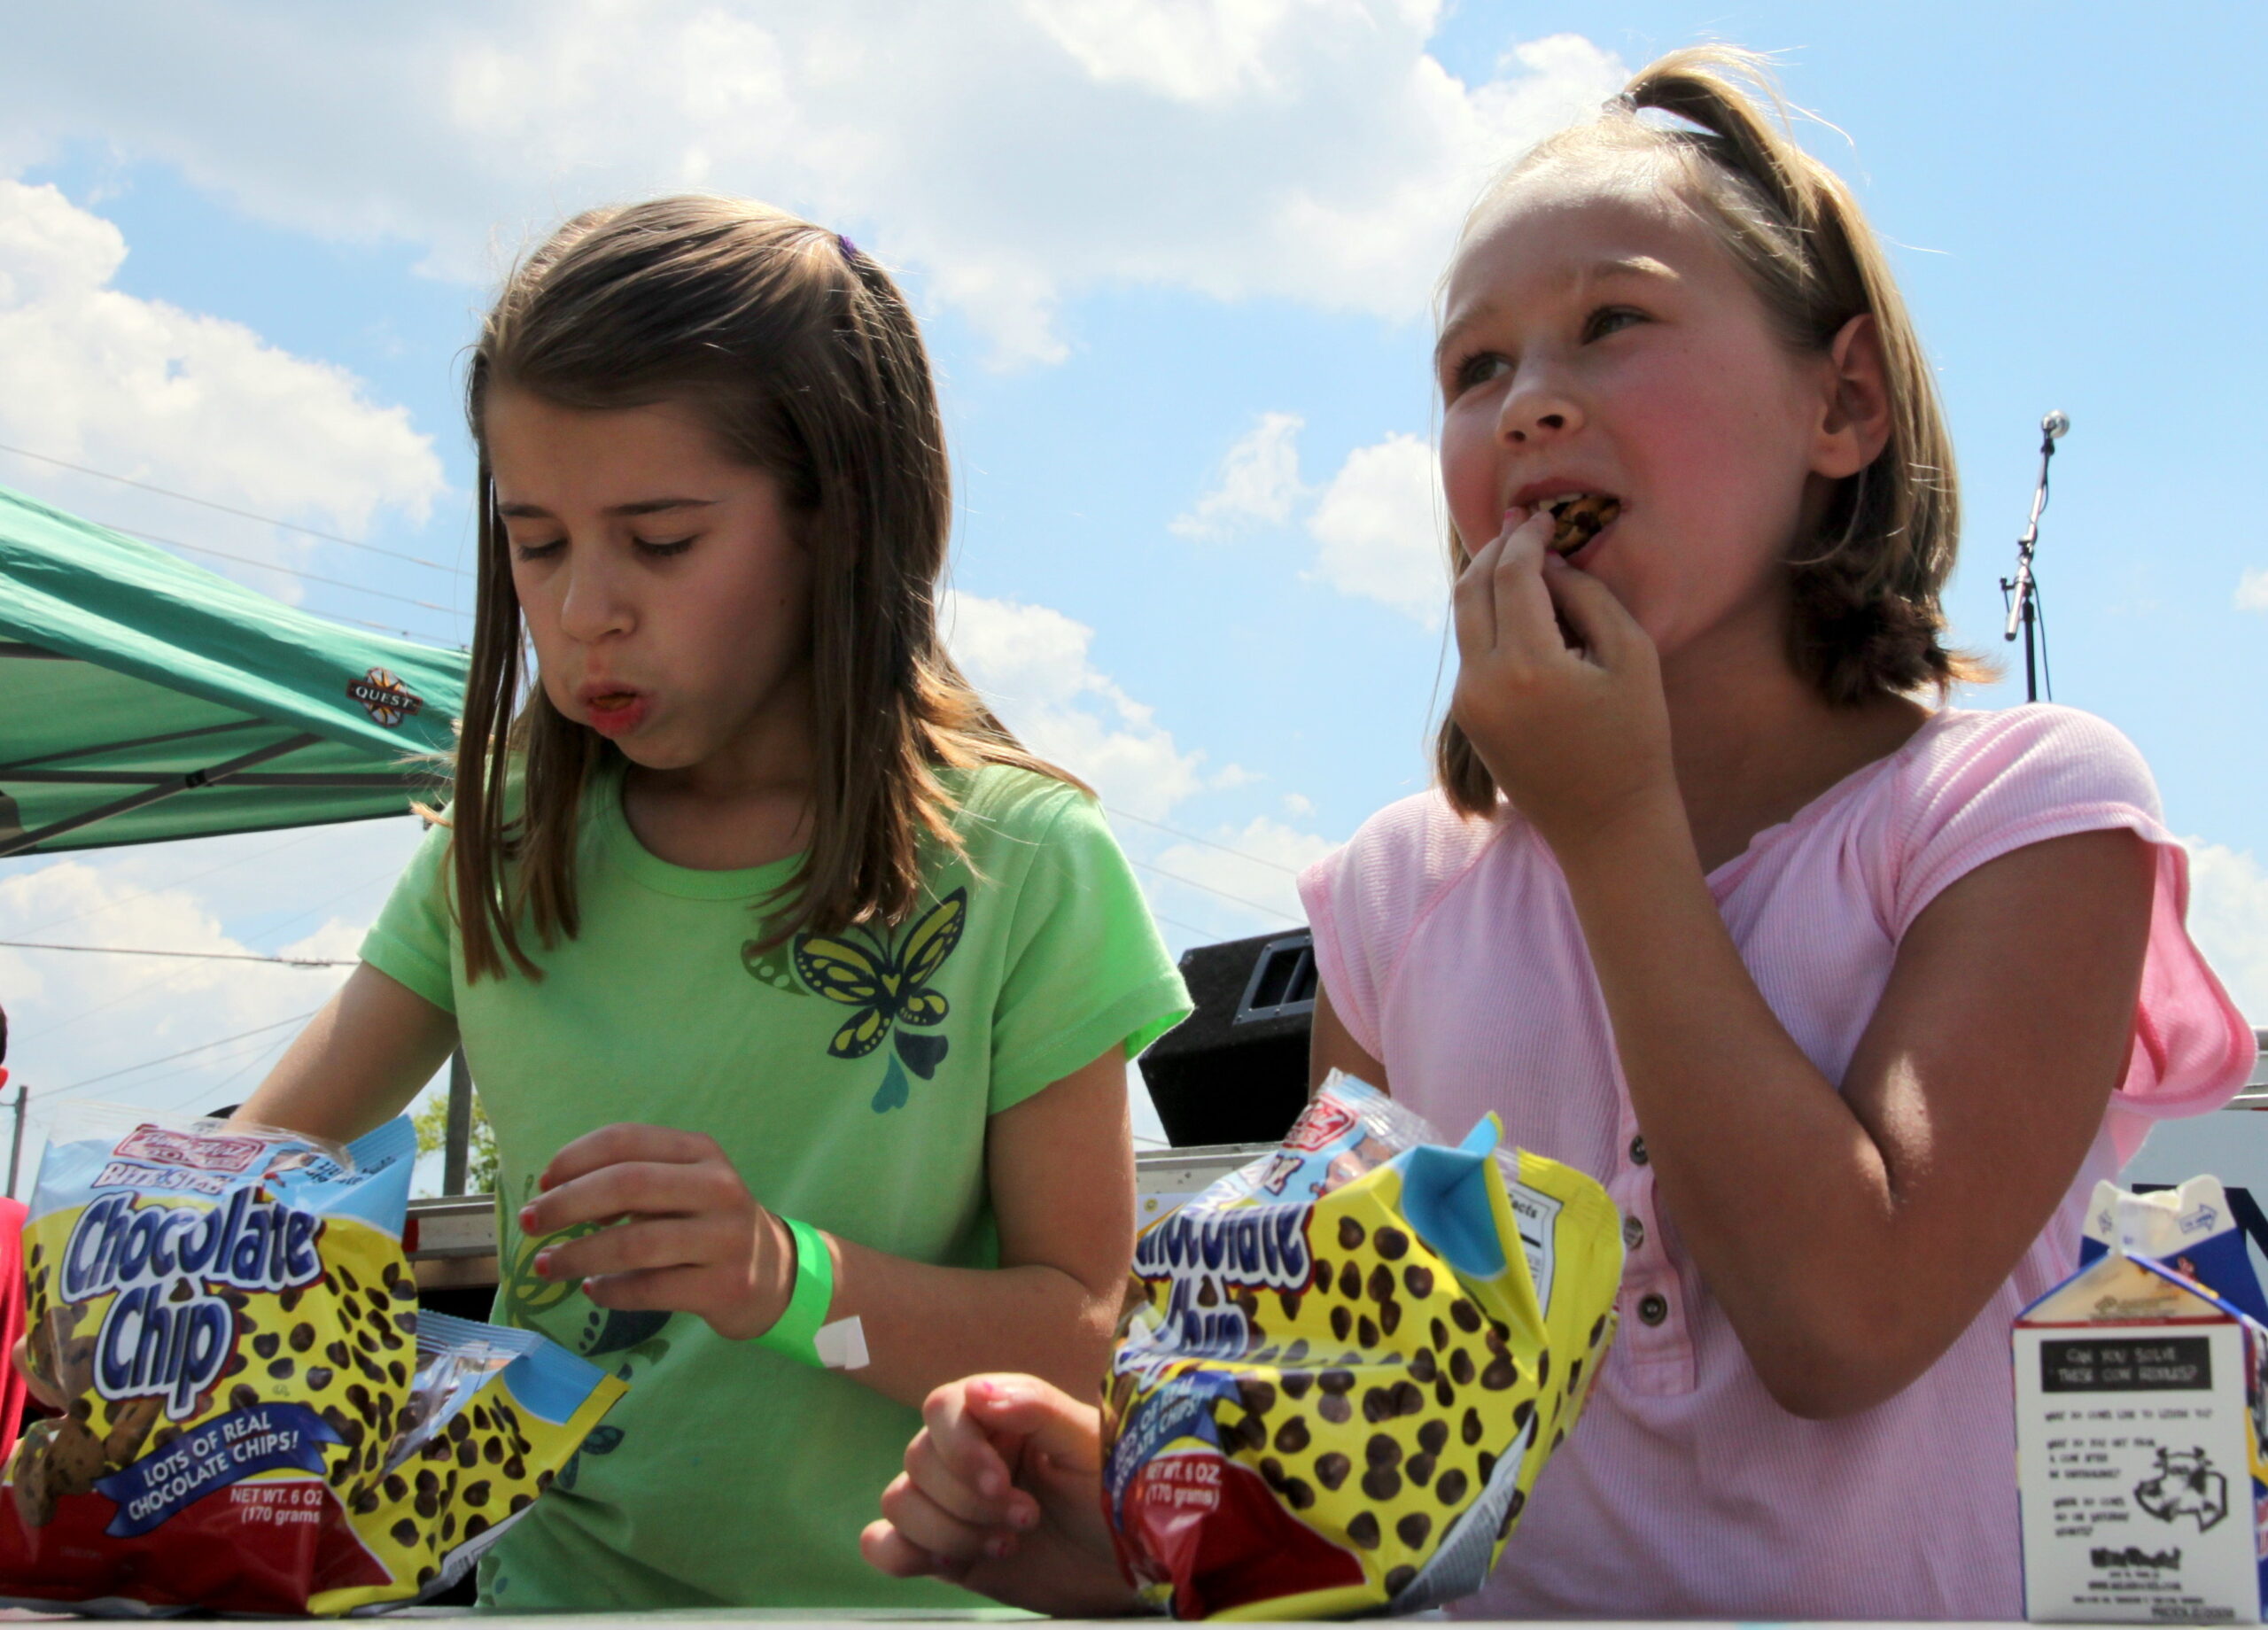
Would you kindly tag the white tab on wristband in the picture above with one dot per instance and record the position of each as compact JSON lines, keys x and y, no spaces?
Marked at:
{"x":842,"y":1345}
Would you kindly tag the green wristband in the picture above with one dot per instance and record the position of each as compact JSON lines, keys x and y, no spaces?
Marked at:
{"x":792,"y":1334}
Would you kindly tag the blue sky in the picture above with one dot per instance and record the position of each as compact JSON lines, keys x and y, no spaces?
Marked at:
{"x":1164,"y":251}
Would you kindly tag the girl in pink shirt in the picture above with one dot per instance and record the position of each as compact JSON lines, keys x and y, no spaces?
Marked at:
{"x":1849,"y":1002}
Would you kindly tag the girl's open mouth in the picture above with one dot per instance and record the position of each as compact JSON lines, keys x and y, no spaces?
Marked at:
{"x":616,"y":712}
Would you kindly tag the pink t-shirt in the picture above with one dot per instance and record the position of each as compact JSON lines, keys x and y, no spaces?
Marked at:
{"x":1451,"y":951}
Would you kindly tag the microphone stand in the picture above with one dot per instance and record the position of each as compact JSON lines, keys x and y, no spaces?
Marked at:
{"x":2019,"y":591}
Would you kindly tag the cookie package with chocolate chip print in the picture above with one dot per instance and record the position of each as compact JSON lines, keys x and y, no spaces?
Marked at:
{"x":259,"y":1419}
{"x":1343,"y":1366}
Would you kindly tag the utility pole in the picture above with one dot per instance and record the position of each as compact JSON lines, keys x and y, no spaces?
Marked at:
{"x":16,"y":1146}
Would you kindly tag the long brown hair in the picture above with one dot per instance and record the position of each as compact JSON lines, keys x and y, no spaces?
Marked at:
{"x":807,"y":362}
{"x":1865,"y":619}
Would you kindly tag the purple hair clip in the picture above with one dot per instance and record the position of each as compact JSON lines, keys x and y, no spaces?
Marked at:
{"x":850,"y":250}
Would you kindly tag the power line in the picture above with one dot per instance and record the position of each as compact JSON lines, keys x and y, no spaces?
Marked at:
{"x":266,"y":520}
{"x":184,"y":1052}
{"x":289,"y":571}
{"x":200,"y":956}
{"x":1187,"y":928}
{"x":135,"y":992}
{"x":1191,"y":837}
{"x":219,"y":1087}
{"x":1191,"y":882}
{"x":201,"y":1085}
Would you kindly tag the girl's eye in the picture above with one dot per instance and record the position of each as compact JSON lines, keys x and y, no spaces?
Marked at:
{"x":1478,"y":370}
{"x":538,"y":551}
{"x":1610,"y":319}
{"x":662,"y":549}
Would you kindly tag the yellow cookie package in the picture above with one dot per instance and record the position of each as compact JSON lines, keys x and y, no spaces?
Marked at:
{"x":1343,"y":1366}
{"x":260,"y":1419}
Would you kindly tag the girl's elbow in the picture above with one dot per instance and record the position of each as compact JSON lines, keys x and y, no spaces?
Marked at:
{"x":1826,"y":1379}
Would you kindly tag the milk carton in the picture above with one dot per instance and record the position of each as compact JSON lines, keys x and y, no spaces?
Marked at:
{"x":2139,"y":1419}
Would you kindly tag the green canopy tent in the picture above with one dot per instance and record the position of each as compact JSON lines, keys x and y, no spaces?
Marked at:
{"x":142,"y":699}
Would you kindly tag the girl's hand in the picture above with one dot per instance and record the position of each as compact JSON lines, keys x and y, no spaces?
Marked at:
{"x":679,"y":1232}
{"x":1557,"y":688}
{"x":1002,"y":1494}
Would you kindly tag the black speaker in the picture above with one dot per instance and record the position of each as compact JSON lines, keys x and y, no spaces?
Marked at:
{"x":1236,"y":1071}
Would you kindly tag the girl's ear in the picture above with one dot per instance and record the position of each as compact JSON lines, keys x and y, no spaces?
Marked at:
{"x":1855,"y":423}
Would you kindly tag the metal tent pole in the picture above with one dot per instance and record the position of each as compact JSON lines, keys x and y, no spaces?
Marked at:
{"x":456,"y":1147}
{"x":173,"y":786}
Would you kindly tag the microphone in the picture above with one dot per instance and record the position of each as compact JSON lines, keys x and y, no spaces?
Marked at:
{"x":2021,"y":591}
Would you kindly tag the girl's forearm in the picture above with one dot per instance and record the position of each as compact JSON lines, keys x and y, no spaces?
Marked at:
{"x":1780,"y":1192}
{"x":927,"y":1325}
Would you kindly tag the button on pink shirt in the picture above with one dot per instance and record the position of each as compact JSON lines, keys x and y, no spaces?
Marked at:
{"x":1450,"y":950}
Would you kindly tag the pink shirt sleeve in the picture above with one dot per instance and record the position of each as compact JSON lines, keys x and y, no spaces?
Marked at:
{"x":1366,"y":898}
{"x":2026,"y":775}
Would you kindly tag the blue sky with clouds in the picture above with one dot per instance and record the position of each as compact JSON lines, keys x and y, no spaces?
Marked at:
{"x":1175,"y":257}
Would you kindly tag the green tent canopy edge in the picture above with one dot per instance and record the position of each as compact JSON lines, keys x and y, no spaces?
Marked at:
{"x":144,"y":699}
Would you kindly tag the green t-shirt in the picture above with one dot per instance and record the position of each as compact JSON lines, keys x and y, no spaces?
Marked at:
{"x":730,"y":1475}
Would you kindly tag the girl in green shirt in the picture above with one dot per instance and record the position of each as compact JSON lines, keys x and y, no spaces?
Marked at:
{"x":799,"y":993}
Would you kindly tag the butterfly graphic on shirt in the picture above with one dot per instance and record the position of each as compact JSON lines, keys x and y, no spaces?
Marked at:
{"x":890,"y":987}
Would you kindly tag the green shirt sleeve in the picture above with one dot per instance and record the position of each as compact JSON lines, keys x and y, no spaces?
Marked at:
{"x":412,"y":941}
{"x":1086,"y":970}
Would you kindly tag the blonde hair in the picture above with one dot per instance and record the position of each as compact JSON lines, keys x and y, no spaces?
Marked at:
{"x":1866,"y":618}
{"x":806,"y":359}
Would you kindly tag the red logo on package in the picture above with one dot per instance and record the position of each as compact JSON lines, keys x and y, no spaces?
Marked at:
{"x":1324,"y":1123}
{"x":161,"y":1147}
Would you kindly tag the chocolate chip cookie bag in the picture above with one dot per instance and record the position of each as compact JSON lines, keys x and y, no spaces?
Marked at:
{"x":259,"y":1419}
{"x":1343,"y":1367}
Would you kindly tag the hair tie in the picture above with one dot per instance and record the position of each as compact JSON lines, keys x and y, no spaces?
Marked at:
{"x":850,"y":250}
{"x":1622,"y":102}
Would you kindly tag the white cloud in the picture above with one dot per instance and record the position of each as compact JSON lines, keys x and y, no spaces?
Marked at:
{"x":2252,"y":590}
{"x":2228,"y":918}
{"x":1185,"y":51}
{"x":142,"y":389}
{"x":1032,"y":664}
{"x":101,"y":1028}
{"x":1249,"y":873}
{"x":1257,"y":485}
{"x":1298,"y":805}
{"x":1016,"y":152}
{"x":1378,"y":530}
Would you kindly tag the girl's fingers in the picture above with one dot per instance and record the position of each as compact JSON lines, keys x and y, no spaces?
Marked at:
{"x":971,"y":1454}
{"x":1605,"y":626}
{"x":885,"y":1548}
{"x":938,"y":1531}
{"x":653,"y":1188}
{"x":610,"y":1145}
{"x":629,"y":1247}
{"x":1525,"y":624}
{"x":964,"y":1494}
{"x":1472,"y":601}
{"x":659,"y":1290}
{"x":1049,"y":1420}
